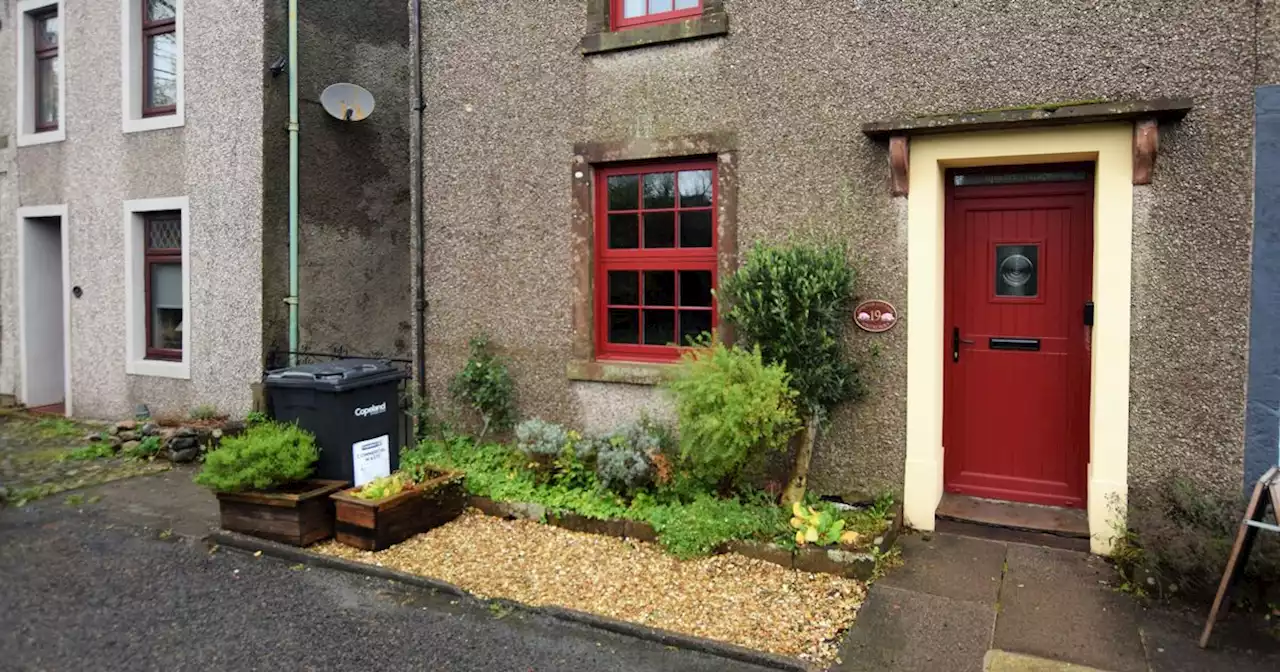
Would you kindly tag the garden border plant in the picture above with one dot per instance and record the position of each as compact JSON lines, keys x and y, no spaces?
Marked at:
{"x":390,"y":509}
{"x":685,"y":517}
{"x":794,"y":302}
{"x":485,"y":385}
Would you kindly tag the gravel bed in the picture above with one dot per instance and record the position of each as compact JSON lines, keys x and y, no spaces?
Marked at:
{"x":728,"y":597}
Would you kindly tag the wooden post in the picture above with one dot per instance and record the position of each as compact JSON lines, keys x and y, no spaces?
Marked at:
{"x":1249,"y":526}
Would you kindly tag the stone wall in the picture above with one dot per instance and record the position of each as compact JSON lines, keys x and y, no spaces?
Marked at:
{"x":354,"y":183}
{"x":510,"y":95}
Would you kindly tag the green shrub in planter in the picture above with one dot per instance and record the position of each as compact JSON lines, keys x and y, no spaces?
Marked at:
{"x":266,"y":456}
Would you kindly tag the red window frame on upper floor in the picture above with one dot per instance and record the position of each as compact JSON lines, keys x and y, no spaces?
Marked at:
{"x":665,"y":292}
{"x":650,"y":17}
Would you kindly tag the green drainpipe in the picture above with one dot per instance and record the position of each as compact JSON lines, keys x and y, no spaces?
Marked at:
{"x":293,"y":183}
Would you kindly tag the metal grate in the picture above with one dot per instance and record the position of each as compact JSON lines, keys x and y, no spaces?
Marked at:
{"x":164,"y":232}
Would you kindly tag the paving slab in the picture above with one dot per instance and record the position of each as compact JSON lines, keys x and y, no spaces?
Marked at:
{"x":1003,"y":661}
{"x":1171,"y":640}
{"x":909,"y":631}
{"x":961,"y":568}
{"x":1058,"y":604}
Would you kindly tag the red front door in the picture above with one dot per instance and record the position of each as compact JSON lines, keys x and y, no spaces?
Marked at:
{"x":1019,"y":260}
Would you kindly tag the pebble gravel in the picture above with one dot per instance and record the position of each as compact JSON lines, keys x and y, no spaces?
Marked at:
{"x":729,"y":598}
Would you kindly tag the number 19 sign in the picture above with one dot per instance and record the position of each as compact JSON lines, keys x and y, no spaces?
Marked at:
{"x":875,"y":316}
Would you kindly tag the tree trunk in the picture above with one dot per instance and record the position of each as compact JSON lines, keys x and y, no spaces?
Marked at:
{"x":799,"y":480}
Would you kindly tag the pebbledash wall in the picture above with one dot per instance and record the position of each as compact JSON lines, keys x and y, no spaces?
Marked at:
{"x":8,"y":233}
{"x":783,"y":95}
{"x":214,"y":160}
{"x":354,"y":182}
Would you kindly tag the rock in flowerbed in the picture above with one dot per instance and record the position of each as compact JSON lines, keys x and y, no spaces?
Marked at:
{"x":727,"y":597}
{"x":175,"y":441}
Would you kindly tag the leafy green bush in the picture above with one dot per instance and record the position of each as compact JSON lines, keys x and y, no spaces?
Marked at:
{"x":821,"y":526}
{"x":383,"y":487}
{"x":540,"y":441}
{"x":623,"y":467}
{"x":730,"y":405}
{"x":794,"y":303}
{"x":265,"y":456}
{"x":627,"y":460}
{"x":695,"y":529}
{"x":146,"y":449}
{"x":256,"y":418}
{"x":485,"y":385}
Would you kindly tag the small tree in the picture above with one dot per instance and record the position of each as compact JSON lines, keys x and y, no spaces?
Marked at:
{"x":794,"y":302}
{"x":485,"y":385}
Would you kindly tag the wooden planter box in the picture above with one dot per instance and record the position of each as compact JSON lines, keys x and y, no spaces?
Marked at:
{"x":375,"y":524}
{"x":299,"y":514}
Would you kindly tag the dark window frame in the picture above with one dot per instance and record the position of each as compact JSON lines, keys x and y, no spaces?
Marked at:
{"x":152,"y":257}
{"x":44,"y":51}
{"x":620,"y":23}
{"x":151,"y":29}
{"x":641,"y":259}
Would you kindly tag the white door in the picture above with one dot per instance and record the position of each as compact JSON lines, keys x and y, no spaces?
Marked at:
{"x":42,"y":308}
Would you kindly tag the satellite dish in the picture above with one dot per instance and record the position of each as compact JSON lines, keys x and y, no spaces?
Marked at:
{"x":348,"y":102}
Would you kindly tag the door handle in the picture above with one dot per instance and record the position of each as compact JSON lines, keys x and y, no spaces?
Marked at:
{"x":955,"y":343}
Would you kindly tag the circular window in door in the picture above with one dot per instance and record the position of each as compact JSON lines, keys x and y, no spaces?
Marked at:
{"x":1017,"y":272}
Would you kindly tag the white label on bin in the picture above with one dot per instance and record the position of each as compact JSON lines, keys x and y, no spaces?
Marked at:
{"x":376,"y":409}
{"x":371,"y":459}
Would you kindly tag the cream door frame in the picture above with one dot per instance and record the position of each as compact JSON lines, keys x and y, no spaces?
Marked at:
{"x":1110,"y":146}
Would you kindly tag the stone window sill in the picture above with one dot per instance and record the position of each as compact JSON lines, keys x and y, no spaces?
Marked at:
{"x":630,"y":373}
{"x":710,"y":24}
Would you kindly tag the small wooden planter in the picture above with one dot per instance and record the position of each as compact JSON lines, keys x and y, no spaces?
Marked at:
{"x":299,"y":514}
{"x":376,"y":524}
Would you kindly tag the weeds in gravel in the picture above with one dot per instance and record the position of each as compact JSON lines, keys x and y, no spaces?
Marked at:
{"x":57,"y":428}
{"x":92,"y":451}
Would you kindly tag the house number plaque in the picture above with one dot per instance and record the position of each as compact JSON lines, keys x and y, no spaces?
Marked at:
{"x":875,"y":316}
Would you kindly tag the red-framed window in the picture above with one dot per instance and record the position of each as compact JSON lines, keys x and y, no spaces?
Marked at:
{"x":655,"y":261}
{"x":159,"y":57}
{"x":162,"y":258}
{"x":633,"y":13}
{"x":45,"y":49}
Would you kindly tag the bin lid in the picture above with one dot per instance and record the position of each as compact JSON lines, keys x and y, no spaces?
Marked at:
{"x":335,"y":376}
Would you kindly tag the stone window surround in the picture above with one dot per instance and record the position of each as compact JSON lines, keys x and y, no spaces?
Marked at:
{"x":602,"y":38}
{"x":131,"y":74}
{"x":135,"y":303}
{"x":588,"y":155}
{"x":25,"y":75}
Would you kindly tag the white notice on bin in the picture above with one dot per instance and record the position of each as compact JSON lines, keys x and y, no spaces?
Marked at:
{"x":371,"y":459}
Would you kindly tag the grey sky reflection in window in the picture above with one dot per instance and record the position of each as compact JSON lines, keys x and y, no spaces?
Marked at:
{"x":1017,"y":270}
